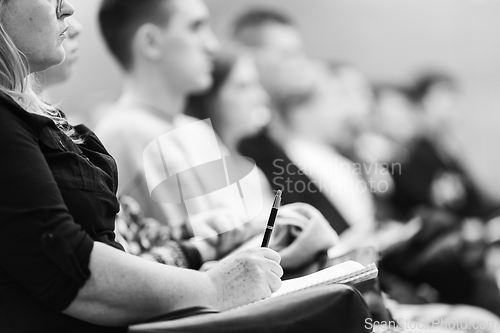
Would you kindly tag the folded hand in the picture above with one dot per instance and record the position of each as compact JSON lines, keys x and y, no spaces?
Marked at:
{"x":307,"y":230}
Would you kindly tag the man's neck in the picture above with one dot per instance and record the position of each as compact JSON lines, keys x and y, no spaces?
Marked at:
{"x":152,"y":93}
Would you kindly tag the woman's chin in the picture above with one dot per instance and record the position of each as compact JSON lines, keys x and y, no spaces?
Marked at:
{"x":46,"y":64}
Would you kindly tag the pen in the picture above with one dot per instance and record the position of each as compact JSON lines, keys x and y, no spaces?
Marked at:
{"x":272,"y":219}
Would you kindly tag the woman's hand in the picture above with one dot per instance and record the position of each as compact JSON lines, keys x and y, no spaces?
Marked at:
{"x":246,"y":277}
{"x":312,"y":231}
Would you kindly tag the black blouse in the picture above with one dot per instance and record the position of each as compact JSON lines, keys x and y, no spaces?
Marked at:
{"x":56,"y":199}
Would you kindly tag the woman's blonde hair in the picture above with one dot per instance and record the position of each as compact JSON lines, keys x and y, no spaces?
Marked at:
{"x":17,"y":82}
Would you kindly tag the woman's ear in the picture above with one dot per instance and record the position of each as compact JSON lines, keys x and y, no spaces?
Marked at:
{"x":148,"y":42}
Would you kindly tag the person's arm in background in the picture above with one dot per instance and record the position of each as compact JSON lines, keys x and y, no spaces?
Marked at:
{"x":368,"y":235}
{"x":311,"y":231}
{"x":300,"y":233}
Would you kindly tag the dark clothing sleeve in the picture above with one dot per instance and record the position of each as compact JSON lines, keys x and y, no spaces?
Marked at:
{"x":41,"y":248}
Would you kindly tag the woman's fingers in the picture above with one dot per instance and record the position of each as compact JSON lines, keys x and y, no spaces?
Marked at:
{"x":276,"y":269}
{"x":270,"y":254}
{"x":274,"y":282}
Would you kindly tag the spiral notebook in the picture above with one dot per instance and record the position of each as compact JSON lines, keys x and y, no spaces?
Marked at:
{"x":350,"y":272}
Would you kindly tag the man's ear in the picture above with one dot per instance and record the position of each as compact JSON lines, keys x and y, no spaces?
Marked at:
{"x":148,"y":42}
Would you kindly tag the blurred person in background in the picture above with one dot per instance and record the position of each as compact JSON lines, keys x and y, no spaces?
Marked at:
{"x":161,"y":68}
{"x":236,"y":102}
{"x":434,"y":181}
{"x":358,"y":93}
{"x":286,"y":73}
{"x":277,"y":47}
{"x":359,"y":97}
{"x":393,"y":124}
{"x":392,"y":128}
{"x":435,"y":160}
{"x":411,"y":131}
{"x":237,"y":105}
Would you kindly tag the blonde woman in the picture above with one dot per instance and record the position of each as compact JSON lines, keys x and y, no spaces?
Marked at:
{"x":60,"y":267}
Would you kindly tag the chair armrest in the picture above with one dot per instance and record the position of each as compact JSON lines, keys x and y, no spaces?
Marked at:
{"x":333,"y":308}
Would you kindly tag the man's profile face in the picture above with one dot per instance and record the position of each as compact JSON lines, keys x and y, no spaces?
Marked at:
{"x":189,"y":47}
{"x":282,"y":62}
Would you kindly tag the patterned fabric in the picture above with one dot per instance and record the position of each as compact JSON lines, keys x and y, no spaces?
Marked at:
{"x":146,"y":237}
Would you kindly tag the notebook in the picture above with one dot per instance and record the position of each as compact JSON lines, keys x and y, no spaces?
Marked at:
{"x":350,"y":272}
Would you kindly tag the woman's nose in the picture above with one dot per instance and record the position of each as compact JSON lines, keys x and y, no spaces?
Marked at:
{"x":67,"y":9}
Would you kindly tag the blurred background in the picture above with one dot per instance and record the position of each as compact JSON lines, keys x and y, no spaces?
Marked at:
{"x":389,"y":40}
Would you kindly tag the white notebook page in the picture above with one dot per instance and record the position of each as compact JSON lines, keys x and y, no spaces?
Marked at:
{"x":334,"y":274}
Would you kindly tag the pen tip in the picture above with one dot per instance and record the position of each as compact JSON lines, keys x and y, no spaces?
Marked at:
{"x":278,"y":193}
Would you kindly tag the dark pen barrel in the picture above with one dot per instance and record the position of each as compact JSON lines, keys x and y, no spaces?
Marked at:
{"x":269,"y":227}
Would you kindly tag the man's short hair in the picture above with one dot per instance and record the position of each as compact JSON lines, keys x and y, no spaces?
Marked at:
{"x":119,"y":21}
{"x":247,"y":27}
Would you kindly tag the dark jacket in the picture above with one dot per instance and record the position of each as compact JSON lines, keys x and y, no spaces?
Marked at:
{"x":56,"y":199}
{"x":284,"y":175}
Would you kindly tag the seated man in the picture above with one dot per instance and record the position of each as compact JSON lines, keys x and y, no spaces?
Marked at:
{"x":289,"y":77}
{"x":434,"y":173}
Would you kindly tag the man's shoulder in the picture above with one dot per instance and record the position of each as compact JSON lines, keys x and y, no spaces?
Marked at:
{"x":127,"y":121}
{"x":118,"y":115}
